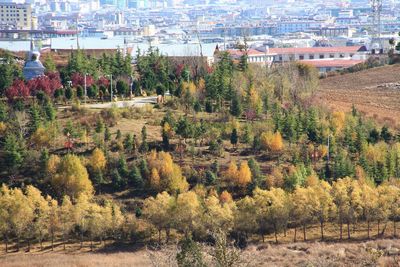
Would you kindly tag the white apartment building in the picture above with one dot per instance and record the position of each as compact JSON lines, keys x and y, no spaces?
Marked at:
{"x":314,"y":53}
{"x":264,"y":58}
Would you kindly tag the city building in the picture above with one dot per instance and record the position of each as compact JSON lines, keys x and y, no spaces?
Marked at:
{"x":16,"y":16}
{"x":313,"y":53}
{"x":264,"y":58}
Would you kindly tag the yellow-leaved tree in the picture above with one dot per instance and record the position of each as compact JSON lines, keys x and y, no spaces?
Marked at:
{"x":218,"y":214}
{"x":71,"y":178}
{"x":186,"y":212}
{"x":67,"y":218}
{"x":369,"y":204}
{"x":170,"y":174}
{"x":272,"y":142}
{"x":243,"y":175}
{"x":39,"y":205}
{"x":53,"y":219}
{"x":158,"y":211}
{"x":272,"y":209}
{"x":322,"y":202}
{"x":97,"y":160}
{"x":346,"y":195}
{"x":302,"y":210}
{"x":244,"y":220}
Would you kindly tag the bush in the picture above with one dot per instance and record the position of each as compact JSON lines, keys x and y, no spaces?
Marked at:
{"x":79,"y":91}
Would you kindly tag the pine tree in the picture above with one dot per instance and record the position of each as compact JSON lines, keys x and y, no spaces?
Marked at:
{"x":135,"y":178}
{"x":144,"y":147}
{"x":234,"y":137}
{"x":236,"y":106}
{"x":107,"y":134}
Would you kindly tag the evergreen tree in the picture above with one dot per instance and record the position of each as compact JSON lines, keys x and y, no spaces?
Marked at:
{"x":234,"y":137}
{"x":35,"y":119}
{"x":236,"y":108}
{"x":135,"y":177}
{"x":122,"y":88}
{"x":117,"y":181}
{"x":69,"y":93}
{"x":50,"y":111}
{"x":79,"y":92}
{"x":14,"y":152}
{"x":107,"y":134}
{"x":144,"y":147}
{"x":386,"y":134}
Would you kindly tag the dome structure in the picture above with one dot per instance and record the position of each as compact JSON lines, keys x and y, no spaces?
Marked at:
{"x":33,"y":67}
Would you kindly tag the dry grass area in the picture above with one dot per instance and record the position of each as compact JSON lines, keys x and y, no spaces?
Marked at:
{"x":372,"y":92}
{"x":383,"y":252}
{"x":75,"y":260}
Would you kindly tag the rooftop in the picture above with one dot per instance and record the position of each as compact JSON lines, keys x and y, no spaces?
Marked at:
{"x":315,"y":50}
{"x":337,"y":63}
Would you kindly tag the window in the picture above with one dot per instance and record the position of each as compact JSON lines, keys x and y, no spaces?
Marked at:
{"x":280,"y":58}
{"x":331,"y":56}
{"x":311,"y":57}
{"x":341,"y":55}
{"x":301,"y":57}
{"x":321,"y":56}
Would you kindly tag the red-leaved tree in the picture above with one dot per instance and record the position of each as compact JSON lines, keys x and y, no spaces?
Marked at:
{"x":103,"y":81}
{"x":79,"y":79}
{"x":18,"y":89}
{"x":47,"y":84}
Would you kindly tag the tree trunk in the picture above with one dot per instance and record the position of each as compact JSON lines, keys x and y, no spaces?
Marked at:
{"x":379,"y":224}
{"x":29,"y":245}
{"x":64,"y":241}
{"x":368,"y":228}
{"x":295,"y":234}
{"x":6,"y":245}
{"x":384,"y":229}
{"x":348,"y":230}
{"x":18,"y":244}
{"x":341,"y":230}
{"x":159,"y":237}
{"x":167,"y":233}
{"x":52,"y":241}
{"x":322,"y":230}
{"x":304,"y":233}
{"x":276,"y":234}
{"x":91,"y":244}
{"x":394,"y":228}
{"x":284,"y":231}
{"x":81,"y":239}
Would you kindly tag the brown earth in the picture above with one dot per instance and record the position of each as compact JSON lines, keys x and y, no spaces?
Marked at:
{"x":374,"y":92}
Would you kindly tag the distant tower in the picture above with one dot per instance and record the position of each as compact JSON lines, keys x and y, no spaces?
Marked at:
{"x":376,"y":9}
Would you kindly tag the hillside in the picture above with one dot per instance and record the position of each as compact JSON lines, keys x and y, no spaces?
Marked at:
{"x":375,"y":92}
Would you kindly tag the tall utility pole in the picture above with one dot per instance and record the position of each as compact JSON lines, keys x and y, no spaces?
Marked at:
{"x":111,"y":89}
{"x":85,"y":88}
{"x":376,"y":9}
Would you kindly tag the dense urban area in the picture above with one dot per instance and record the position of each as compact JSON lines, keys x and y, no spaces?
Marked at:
{"x":199,"y":133}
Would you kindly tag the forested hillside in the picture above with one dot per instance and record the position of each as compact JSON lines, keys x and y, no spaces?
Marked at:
{"x":233,"y":152}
